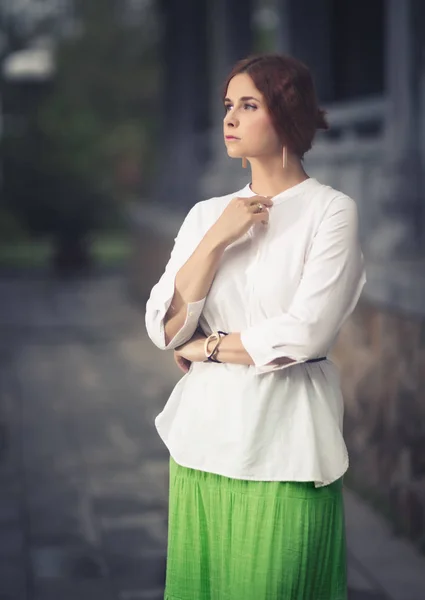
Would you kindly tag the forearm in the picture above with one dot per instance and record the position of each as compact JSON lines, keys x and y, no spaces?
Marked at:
{"x":231,"y":350}
{"x":192,"y":282}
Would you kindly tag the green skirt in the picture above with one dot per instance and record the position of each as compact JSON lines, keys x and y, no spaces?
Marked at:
{"x":233,"y":539}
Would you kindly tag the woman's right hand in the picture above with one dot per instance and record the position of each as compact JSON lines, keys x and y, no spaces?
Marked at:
{"x":239,"y":216}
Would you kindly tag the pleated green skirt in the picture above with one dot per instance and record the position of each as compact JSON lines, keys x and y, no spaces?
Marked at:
{"x":232,"y":539}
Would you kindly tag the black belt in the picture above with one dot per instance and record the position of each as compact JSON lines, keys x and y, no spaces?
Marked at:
{"x":316,"y":359}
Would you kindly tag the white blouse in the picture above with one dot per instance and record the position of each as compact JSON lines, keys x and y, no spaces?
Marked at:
{"x":287,"y":288}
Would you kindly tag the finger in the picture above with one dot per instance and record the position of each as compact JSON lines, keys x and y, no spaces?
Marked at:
{"x":258,"y":208}
{"x":178,"y":359}
{"x":265,"y":200}
{"x":181,"y":366}
{"x":184,"y":364}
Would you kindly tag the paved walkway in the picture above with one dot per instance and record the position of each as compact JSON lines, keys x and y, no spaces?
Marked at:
{"x":83,"y":474}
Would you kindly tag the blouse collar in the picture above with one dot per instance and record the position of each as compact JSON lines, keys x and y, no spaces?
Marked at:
{"x":295,"y":190}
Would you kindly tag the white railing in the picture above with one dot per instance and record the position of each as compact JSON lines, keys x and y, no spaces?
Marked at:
{"x":350,"y":157}
{"x":349,"y":115}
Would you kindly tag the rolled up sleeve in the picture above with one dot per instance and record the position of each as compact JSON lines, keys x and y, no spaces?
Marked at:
{"x":332,"y":281}
{"x":162,"y":293}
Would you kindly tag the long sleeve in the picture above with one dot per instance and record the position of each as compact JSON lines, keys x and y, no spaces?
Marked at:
{"x":162,"y":293}
{"x":332,"y":281}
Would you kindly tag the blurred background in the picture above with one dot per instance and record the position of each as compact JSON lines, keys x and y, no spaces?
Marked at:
{"x":110,"y":130}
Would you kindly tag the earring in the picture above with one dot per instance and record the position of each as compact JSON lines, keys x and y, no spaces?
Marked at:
{"x":244,"y":163}
{"x":284,"y":157}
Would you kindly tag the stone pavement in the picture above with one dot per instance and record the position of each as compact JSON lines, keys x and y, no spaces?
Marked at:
{"x":83,"y":474}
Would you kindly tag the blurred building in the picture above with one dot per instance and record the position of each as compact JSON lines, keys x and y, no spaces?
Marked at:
{"x":368,"y":62}
{"x":367,"y":59}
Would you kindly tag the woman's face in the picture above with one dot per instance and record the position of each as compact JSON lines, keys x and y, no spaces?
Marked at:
{"x":247,"y":127}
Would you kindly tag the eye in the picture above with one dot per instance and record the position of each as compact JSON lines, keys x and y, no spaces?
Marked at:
{"x":250,"y":106}
{"x":226,"y":107}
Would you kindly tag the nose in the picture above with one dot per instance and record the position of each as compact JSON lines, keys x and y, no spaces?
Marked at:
{"x":230,"y":120}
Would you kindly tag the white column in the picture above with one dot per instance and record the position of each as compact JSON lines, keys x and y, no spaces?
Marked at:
{"x":400,"y":229}
{"x":400,"y":72}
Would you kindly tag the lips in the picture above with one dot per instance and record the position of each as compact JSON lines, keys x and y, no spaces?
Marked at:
{"x":231,"y":137}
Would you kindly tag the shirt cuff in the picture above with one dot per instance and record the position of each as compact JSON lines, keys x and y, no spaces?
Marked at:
{"x":253,"y":342}
{"x":156,"y":309}
{"x":193,"y":312}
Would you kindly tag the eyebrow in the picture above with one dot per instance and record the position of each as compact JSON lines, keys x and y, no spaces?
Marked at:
{"x":243,"y":99}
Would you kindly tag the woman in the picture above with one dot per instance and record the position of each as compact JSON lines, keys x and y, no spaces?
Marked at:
{"x":257,"y":287}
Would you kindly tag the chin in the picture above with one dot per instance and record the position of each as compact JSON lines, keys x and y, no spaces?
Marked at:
{"x":234,"y":154}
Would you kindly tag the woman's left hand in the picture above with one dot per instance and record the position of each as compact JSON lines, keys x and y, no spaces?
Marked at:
{"x":183,"y":364}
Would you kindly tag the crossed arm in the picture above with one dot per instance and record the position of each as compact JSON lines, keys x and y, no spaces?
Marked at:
{"x":333,"y":277}
{"x":230,"y":350}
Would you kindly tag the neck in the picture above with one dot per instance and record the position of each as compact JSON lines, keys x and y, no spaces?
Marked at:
{"x":269,"y":178}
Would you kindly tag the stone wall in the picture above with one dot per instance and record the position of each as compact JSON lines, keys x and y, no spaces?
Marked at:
{"x":381,"y":356}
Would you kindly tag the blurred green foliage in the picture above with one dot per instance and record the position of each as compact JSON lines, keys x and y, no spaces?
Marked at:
{"x":108,"y":250}
{"x":11,"y":228}
{"x":85,"y":151}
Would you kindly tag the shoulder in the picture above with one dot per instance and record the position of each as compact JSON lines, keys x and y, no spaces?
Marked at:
{"x":330,"y":196}
{"x":336,"y":212}
{"x":330,"y":201}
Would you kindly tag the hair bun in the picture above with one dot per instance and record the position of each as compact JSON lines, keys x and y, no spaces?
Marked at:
{"x":321,"y":120}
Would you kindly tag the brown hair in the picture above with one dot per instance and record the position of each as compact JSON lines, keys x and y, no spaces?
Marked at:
{"x":288,"y":89}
